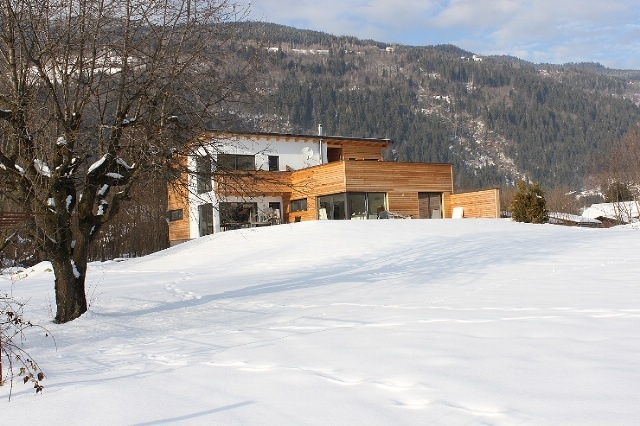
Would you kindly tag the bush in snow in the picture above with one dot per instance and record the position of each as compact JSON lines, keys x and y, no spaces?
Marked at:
{"x":528,"y":204}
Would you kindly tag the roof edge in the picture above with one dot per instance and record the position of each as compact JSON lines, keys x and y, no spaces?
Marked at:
{"x":301,"y":136}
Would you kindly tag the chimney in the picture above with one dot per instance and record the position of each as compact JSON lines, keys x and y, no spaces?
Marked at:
{"x":320,"y":150}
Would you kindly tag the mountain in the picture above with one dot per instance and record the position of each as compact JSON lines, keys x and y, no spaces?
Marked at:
{"x":497,"y":119}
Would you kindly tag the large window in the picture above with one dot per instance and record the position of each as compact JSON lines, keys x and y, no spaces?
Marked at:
{"x":332,"y":207}
{"x":299,"y":205}
{"x":203,"y":174}
{"x":376,"y":203}
{"x":236,"y":162}
{"x":237,"y":215}
{"x":353,"y":205}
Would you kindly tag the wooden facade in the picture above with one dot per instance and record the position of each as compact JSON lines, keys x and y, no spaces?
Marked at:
{"x":477,"y":204}
{"x":178,"y":200}
{"x":353,"y":166}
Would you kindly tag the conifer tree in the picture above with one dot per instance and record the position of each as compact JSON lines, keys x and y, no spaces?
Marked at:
{"x":528,"y":204}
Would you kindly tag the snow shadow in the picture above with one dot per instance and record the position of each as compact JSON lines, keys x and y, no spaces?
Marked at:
{"x":179,"y":419}
{"x":442,"y":261}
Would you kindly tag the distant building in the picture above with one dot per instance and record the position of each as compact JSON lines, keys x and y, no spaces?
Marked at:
{"x":613,"y":213}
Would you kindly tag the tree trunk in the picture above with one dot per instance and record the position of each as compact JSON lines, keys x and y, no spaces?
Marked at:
{"x":71,"y":301}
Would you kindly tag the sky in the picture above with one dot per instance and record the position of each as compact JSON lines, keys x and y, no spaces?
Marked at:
{"x":548,"y":31}
{"x":360,"y":322}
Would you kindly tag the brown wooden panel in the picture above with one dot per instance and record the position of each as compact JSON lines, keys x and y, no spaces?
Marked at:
{"x":252,"y":184}
{"x":478,"y":204}
{"x":311,"y":183}
{"x":178,"y":198}
{"x":318,"y":180}
{"x":446,"y":205}
{"x":309,"y":214}
{"x":371,"y":176}
{"x":358,"y":152}
{"x":404,"y":203}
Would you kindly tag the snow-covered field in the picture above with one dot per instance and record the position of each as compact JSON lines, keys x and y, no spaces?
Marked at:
{"x":341,"y":323}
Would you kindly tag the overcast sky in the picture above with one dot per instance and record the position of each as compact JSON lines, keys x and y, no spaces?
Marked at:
{"x":554,"y":31}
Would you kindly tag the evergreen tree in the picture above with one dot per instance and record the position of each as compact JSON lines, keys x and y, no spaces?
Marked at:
{"x":617,"y":192}
{"x":528,"y":204}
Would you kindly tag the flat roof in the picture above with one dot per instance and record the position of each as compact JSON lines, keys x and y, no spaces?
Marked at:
{"x":300,"y":136}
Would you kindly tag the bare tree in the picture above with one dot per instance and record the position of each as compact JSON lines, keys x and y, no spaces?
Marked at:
{"x":95,"y":97}
{"x":619,"y":176}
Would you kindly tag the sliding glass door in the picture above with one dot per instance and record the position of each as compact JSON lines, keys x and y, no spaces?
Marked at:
{"x":353,"y":205}
{"x":332,"y":207}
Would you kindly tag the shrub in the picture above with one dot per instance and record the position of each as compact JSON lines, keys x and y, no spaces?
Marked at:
{"x":14,"y":360}
{"x":528,"y":204}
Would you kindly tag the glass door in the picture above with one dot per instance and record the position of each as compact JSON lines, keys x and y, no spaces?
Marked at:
{"x":332,"y":207}
{"x":205,"y":219}
{"x":430,"y":205}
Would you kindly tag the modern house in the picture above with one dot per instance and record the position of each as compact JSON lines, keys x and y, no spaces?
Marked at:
{"x":258,"y":179}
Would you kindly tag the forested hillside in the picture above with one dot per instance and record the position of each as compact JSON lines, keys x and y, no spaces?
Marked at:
{"x":497,"y":119}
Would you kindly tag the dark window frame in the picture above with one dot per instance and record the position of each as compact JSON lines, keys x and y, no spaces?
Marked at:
{"x":274,"y":163}
{"x":205,"y":219}
{"x":173,"y":215}
{"x":204,"y":174}
{"x":236,"y":162}
{"x":299,"y":205}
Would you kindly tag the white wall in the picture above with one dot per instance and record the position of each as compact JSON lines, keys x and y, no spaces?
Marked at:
{"x":297,"y":154}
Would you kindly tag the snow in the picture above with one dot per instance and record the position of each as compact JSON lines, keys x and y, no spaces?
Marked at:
{"x":42,"y":168}
{"x":103,"y":190}
{"x":76,"y":273}
{"x":101,"y":207}
{"x":115,"y":175}
{"x":625,"y":211}
{"x":124,"y":164}
{"x":61,"y":141}
{"x":556,"y":217}
{"x":97,"y":163}
{"x":349,"y":322}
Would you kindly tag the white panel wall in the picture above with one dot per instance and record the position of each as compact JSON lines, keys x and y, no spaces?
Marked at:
{"x":296,"y":154}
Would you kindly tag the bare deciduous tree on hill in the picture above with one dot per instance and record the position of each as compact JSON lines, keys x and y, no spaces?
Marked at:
{"x":95,"y":97}
{"x":619,"y":176}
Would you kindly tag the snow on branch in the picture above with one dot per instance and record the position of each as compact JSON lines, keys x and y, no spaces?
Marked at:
{"x":97,"y":164}
{"x":42,"y":168}
{"x":124,"y":164}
